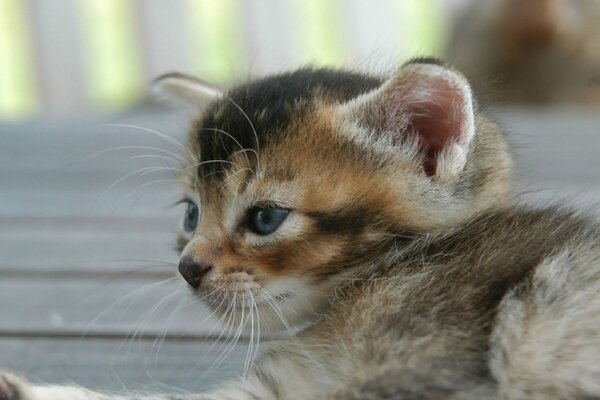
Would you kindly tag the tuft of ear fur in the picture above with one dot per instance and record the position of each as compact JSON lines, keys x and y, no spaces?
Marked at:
{"x":184,"y":90}
{"x":426,"y":101}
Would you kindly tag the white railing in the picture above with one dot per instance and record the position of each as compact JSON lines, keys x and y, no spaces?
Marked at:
{"x":66,"y":56}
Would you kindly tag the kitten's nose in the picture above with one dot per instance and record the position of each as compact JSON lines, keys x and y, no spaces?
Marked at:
{"x":193,"y":271}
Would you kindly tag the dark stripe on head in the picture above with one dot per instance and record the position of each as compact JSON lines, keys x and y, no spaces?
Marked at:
{"x":345,"y":221}
{"x":257,"y":111}
{"x":354,"y":221}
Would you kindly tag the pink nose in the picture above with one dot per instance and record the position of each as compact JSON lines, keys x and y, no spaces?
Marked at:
{"x":193,"y":271}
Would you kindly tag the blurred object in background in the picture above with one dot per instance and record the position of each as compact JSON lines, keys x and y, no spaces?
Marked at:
{"x":530,"y":51}
{"x":73,"y":57}
{"x":62,"y":57}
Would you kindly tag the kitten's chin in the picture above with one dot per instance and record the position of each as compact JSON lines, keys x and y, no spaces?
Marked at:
{"x":282,"y":306}
{"x":290,"y":303}
{"x":290,"y":311}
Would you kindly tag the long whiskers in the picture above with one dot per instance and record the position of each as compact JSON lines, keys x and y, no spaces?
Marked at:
{"x":147,"y":184}
{"x":175,"y":157}
{"x":161,"y":135}
{"x":229,"y":314}
{"x":154,"y":156}
{"x":231,"y":346}
{"x":158,"y":342}
{"x":136,"y":292}
{"x":251,"y":126}
{"x":142,"y":321}
{"x":242,"y":149}
{"x":271,"y":302}
{"x":252,"y":356}
{"x":196,"y":165}
{"x":141,"y":172}
{"x":276,"y":309}
{"x":251,"y":344}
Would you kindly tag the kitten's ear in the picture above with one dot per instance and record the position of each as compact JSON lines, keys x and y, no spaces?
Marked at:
{"x":427,"y":102}
{"x":185,"y":90}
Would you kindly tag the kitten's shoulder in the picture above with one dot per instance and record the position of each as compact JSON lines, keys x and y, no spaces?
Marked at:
{"x":524,"y":230}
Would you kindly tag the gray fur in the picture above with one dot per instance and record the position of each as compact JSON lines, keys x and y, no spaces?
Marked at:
{"x":496,"y":301}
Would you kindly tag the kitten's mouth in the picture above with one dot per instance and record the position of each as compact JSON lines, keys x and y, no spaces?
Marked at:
{"x":240,"y":290}
{"x":240,"y":297}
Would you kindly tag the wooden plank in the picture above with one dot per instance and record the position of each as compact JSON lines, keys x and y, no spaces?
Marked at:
{"x":158,"y":223}
{"x":116,"y":365}
{"x":116,"y":306}
{"x":110,"y":244}
{"x":554,"y":143}
{"x":83,"y":136}
{"x":571,"y":195}
{"x":46,"y":167}
{"x":56,"y":202}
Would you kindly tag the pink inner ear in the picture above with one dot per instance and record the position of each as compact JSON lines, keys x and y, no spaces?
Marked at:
{"x":435,"y":109}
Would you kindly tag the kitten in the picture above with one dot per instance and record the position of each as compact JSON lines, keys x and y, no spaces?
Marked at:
{"x":534,"y":51}
{"x":377,"y":215}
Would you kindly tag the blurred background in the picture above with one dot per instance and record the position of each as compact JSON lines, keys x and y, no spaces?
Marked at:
{"x":88,"y":287}
{"x":66,"y":56}
{"x":59,"y":57}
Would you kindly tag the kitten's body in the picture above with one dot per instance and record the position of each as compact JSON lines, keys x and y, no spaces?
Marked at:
{"x":403,"y":253}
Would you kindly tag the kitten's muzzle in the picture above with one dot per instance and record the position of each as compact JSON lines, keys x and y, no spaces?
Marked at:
{"x":193,"y":271}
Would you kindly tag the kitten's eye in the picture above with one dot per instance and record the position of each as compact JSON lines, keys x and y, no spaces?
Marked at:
{"x":264,"y":221}
{"x":191,"y":217}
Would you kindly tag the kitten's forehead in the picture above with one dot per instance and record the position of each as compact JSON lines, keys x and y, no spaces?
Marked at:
{"x":251,"y":115}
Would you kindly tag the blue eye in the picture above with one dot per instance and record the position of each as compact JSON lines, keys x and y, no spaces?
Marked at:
{"x":190,"y":220}
{"x":264,"y":221}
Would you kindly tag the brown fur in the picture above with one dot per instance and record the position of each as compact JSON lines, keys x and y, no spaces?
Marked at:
{"x":403,"y":256}
{"x":423,"y":307}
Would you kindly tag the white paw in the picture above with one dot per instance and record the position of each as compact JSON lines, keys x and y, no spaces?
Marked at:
{"x":13,"y":387}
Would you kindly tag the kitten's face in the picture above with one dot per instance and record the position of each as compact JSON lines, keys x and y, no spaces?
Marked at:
{"x":279,"y":220}
{"x":293,"y":189}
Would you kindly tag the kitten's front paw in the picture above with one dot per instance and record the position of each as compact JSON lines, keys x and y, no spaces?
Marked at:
{"x":12,"y":387}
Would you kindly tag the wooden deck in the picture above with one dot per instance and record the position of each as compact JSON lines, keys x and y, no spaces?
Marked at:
{"x":86,"y":293}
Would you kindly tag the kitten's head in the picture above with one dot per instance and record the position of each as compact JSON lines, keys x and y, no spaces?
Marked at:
{"x":297,"y":182}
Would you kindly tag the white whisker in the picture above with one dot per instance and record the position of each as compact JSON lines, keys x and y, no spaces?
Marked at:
{"x":142,"y":321}
{"x":229,"y":348}
{"x":156,"y":149}
{"x":161,"y":135}
{"x":275,"y":307}
{"x":158,"y":342}
{"x":223,"y":326}
{"x":131,"y":193}
{"x":242,"y":149}
{"x":251,"y":344}
{"x":251,"y":126}
{"x":122,"y":299}
{"x":140,"y":172}
{"x":156,"y":156}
